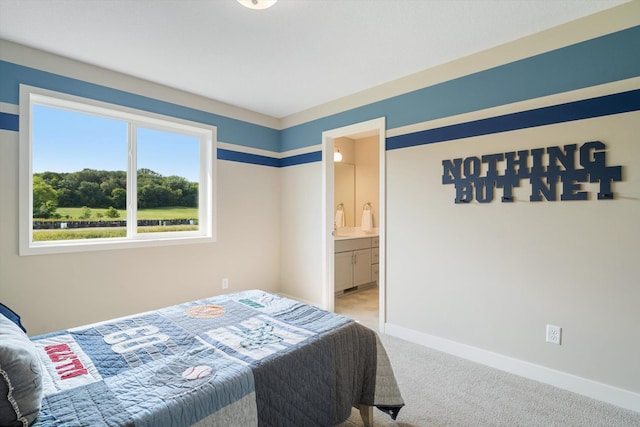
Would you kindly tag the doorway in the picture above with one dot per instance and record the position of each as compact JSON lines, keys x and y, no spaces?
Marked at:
{"x":375,"y":127}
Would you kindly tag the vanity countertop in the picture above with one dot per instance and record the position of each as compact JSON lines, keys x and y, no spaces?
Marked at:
{"x":354,"y":233}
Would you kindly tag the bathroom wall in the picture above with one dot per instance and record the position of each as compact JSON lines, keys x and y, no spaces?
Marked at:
{"x":367,"y":177}
{"x":345,"y":181}
{"x":347,"y":148}
{"x":364,"y":154}
{"x":344,"y":194}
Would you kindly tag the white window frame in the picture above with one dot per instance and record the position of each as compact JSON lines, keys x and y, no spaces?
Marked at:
{"x":207,"y":135}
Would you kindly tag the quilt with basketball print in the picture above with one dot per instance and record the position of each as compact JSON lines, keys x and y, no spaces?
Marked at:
{"x":242,"y":359}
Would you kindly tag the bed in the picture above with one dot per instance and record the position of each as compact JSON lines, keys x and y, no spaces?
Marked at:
{"x":242,"y":359}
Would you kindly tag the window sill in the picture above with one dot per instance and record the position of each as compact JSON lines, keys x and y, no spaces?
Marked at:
{"x":75,"y":246}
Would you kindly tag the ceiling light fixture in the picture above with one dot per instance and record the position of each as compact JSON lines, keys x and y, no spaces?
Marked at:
{"x":257,"y":4}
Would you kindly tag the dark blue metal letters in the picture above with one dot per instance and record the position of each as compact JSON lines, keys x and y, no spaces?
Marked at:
{"x":548,"y":170}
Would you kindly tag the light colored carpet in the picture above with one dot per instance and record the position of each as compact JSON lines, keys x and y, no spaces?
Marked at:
{"x":444,"y":390}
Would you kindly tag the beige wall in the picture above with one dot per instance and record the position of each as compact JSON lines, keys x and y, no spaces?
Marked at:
{"x":53,"y":292}
{"x":493,"y":275}
{"x":483,"y":281}
{"x":301,"y":261}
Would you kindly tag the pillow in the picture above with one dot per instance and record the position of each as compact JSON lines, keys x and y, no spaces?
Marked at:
{"x":11,"y":315}
{"x":20,"y":376}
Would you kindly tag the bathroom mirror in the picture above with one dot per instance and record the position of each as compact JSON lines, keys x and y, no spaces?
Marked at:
{"x":345,"y":191}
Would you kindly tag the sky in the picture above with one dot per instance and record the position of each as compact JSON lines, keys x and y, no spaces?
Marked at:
{"x":65,"y":141}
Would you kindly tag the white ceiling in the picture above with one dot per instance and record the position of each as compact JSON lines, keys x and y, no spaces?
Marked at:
{"x":279,"y":61}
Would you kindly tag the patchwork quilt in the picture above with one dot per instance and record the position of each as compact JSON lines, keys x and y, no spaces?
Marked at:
{"x":243,"y":359}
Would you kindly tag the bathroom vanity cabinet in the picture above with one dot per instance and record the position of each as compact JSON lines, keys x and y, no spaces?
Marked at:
{"x":356,"y":262}
{"x":375,"y":259}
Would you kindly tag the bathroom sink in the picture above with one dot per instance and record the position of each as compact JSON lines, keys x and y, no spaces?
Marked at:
{"x":344,"y":235}
{"x":353,"y":233}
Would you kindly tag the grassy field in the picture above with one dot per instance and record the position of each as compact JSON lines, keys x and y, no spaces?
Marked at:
{"x":85,"y":233}
{"x":101,"y":233}
{"x":107,"y":232}
{"x":158,"y":213}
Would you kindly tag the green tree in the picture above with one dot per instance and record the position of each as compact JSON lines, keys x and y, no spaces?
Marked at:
{"x":68,"y":191}
{"x":86,"y":213}
{"x":45,"y":199}
{"x":100,"y":188}
{"x":51,"y":178}
{"x":190,"y":195}
{"x":47,"y":210}
{"x":91,"y":194}
{"x":119,"y":198}
{"x":112,"y":212}
{"x":89,"y":175}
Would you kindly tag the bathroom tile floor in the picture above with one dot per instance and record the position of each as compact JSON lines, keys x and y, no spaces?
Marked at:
{"x":361,"y":305}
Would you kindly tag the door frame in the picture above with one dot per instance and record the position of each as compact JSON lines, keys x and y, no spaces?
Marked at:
{"x":353,"y":131}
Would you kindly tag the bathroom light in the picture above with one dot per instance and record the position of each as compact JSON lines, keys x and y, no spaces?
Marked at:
{"x":337,"y":155}
{"x":257,"y":4}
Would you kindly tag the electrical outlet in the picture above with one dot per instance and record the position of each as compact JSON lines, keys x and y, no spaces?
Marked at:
{"x":225,"y":283}
{"x":554,"y":334}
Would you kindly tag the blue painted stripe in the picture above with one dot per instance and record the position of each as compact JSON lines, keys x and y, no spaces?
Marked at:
{"x":229,"y":130}
{"x":9,"y":121}
{"x":254,"y":159}
{"x":585,"y":109}
{"x":597,"y":61}
{"x":578,"y":110}
{"x":315,"y":156}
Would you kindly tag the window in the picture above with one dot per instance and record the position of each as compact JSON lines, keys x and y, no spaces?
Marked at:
{"x":101,"y":176}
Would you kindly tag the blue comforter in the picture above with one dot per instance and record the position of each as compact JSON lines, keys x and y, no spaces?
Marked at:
{"x":248,"y":358}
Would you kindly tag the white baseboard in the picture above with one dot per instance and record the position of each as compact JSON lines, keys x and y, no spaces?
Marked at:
{"x":308,"y":302}
{"x":603,"y":392}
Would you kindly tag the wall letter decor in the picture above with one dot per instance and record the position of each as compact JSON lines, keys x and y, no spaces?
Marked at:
{"x":549,"y":171}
